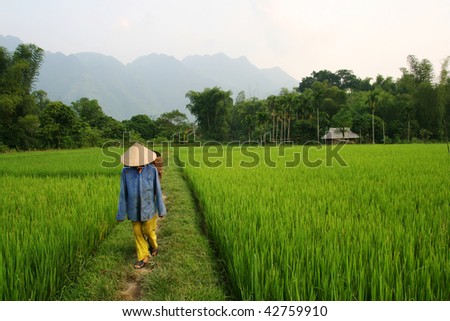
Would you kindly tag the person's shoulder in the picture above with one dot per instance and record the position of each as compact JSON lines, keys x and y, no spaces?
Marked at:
{"x":127,"y":170}
{"x":151,"y":168}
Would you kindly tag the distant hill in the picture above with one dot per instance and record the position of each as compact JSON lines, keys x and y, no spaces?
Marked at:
{"x":9,"y":42}
{"x":240,"y":75}
{"x":151,"y":84}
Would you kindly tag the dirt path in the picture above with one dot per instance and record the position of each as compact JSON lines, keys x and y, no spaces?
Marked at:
{"x":186,"y":267}
{"x":133,"y":291}
{"x":133,"y":286}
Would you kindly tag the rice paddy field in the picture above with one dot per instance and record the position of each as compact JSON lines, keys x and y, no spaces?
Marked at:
{"x":371,"y":224}
{"x":55,"y":208}
{"x":374,"y":227}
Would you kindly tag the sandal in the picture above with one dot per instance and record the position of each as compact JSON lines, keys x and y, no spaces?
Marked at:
{"x":140,"y":264}
{"x":153,"y":251}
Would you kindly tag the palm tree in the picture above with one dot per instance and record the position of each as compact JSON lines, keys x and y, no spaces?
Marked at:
{"x":318,"y":94}
{"x":272,"y":102}
{"x":372,"y":101}
{"x":288,"y":103}
{"x":282,"y":113}
{"x":317,"y":102}
{"x":292,"y":106}
{"x":263,"y":115}
{"x":279,"y":116}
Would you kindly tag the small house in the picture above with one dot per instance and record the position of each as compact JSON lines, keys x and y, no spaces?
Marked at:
{"x":335,"y":135}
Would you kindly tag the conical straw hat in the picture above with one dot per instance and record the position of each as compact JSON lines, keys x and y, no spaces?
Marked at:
{"x":137,"y":155}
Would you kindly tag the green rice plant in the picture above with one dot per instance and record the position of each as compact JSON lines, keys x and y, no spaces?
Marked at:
{"x":377,"y":229}
{"x":61,"y":163}
{"x":55,"y":208}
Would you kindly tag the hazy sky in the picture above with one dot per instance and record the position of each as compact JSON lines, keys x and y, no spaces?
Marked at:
{"x":368,"y":37}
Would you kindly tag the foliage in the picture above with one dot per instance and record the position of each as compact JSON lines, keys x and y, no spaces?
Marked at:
{"x":172,"y":124}
{"x":343,"y":79}
{"x":90,"y":112}
{"x":18,"y":72}
{"x":343,"y":119}
{"x":385,"y":110}
{"x":212,"y":109}
{"x":143,"y":125}
{"x":59,"y":126}
{"x":407,"y":109}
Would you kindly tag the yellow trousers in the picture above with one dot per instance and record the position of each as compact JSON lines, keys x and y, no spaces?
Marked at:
{"x":145,"y":234}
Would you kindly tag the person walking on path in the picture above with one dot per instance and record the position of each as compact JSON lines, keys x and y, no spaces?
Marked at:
{"x":141,"y":200}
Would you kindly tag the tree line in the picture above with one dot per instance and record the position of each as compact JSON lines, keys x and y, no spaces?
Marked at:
{"x":29,"y":120}
{"x":415,"y":107}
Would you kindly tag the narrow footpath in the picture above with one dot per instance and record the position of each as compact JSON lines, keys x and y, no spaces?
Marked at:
{"x":185,"y":268}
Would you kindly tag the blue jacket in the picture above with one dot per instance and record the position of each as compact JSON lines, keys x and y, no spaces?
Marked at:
{"x":140,"y":194}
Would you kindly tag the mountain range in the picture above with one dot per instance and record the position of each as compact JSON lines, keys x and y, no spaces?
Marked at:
{"x":152,"y":84}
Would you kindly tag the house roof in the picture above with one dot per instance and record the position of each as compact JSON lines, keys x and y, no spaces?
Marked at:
{"x":336,"y":133}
